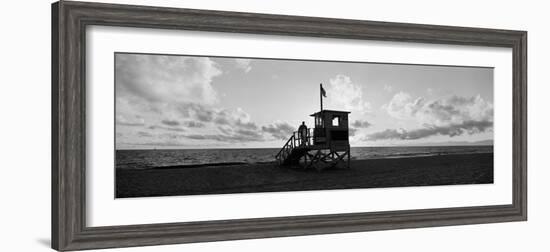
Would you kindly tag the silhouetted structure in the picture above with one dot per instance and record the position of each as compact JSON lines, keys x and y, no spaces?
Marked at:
{"x":325,"y":146}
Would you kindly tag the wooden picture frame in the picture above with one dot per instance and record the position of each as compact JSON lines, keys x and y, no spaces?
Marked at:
{"x":69,"y":20}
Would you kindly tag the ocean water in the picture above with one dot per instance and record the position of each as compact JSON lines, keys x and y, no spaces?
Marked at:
{"x":143,"y":159}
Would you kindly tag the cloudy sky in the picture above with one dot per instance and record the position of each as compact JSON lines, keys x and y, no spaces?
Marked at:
{"x":212,"y":102}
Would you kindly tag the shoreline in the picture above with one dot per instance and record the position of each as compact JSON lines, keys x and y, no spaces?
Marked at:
{"x":233,"y":163}
{"x":279,"y":147}
{"x":449,"y":169}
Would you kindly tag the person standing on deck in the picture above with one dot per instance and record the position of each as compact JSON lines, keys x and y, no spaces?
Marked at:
{"x":302,"y":132}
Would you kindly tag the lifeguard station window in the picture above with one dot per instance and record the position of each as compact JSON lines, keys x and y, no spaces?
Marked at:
{"x":336,"y":121}
{"x":318,"y":121}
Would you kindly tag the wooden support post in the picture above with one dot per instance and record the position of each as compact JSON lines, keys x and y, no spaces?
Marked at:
{"x":349,"y":158}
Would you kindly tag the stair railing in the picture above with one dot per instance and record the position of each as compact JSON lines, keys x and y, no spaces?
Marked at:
{"x":294,"y":141}
{"x":287,"y":148}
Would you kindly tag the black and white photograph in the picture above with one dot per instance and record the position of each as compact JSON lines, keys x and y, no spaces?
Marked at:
{"x":203,"y":124}
{"x":275,"y":126}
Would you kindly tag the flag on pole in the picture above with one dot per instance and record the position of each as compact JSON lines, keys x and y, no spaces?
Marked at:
{"x":323,"y":92}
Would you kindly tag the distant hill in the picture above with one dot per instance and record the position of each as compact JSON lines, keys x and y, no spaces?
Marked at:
{"x":456,"y":143}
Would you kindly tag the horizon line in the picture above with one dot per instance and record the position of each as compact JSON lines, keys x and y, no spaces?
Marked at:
{"x":243,"y":148}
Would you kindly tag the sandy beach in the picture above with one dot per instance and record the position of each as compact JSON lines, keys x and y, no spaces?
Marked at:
{"x":269,"y":177}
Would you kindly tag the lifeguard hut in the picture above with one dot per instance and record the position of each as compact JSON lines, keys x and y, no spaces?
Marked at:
{"x":325,"y":146}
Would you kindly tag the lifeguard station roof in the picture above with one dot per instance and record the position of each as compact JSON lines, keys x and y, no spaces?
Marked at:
{"x":329,"y":111}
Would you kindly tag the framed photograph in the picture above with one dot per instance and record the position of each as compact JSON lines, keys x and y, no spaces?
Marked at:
{"x":178,"y":125}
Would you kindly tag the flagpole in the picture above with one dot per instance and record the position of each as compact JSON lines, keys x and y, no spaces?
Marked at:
{"x":321,"y":94}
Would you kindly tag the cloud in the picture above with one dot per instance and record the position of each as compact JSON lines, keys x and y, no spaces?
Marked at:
{"x":188,"y":124}
{"x":361,"y":124}
{"x":440,"y":112}
{"x":144,"y":134}
{"x":193,"y":124}
{"x":430,"y":91}
{"x":155,"y":127}
{"x":343,"y":94}
{"x":166,"y":79}
{"x":153,"y":89}
{"x":230,"y":121}
{"x":170,"y":122}
{"x":237,"y":118}
{"x":246,"y":125}
{"x":279,"y":130}
{"x":171,"y":100}
{"x":207,"y":114}
{"x":402,"y":105}
{"x":197,"y":111}
{"x":237,"y":131}
{"x":129,"y":121}
{"x":250,"y":133}
{"x":467,"y":127}
{"x":232,"y":125}
{"x":237,"y":137}
{"x":224,"y":129}
{"x":449,"y":116}
{"x":244,"y":64}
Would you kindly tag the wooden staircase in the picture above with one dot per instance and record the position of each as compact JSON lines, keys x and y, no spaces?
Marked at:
{"x":294,"y":149}
{"x":304,"y":153}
